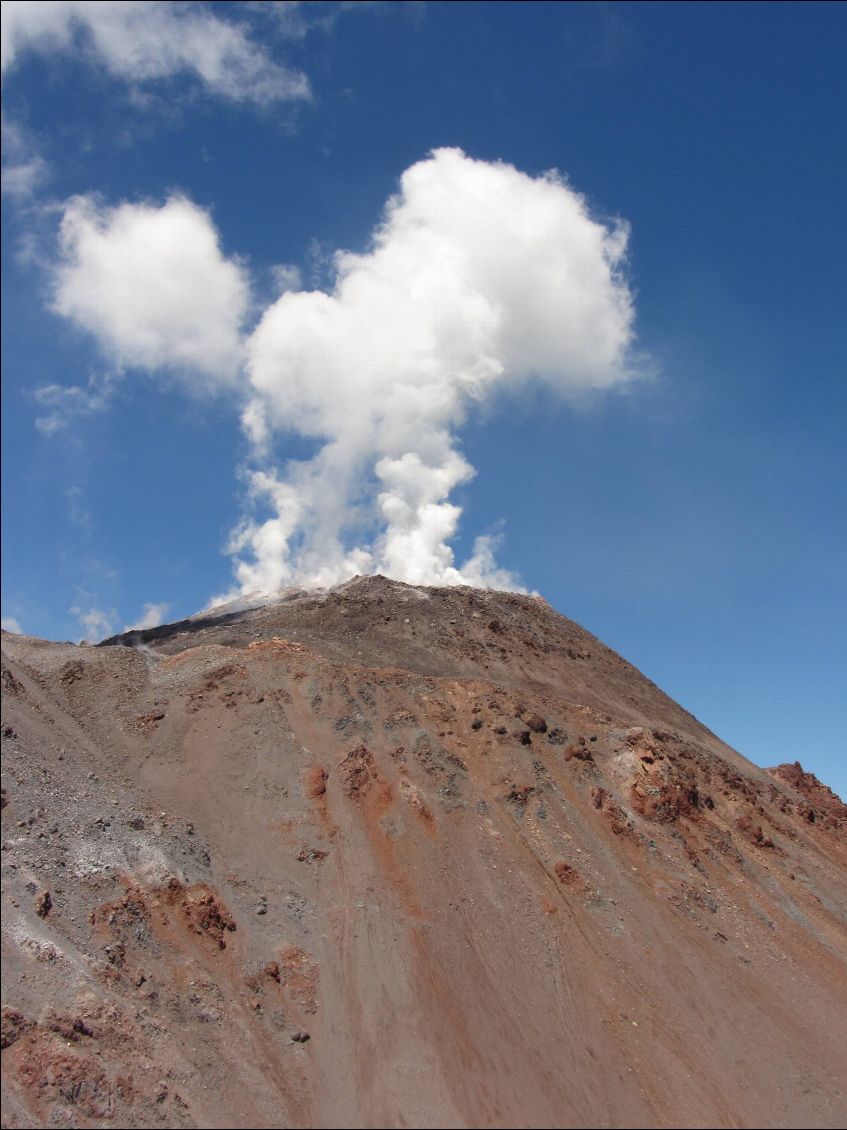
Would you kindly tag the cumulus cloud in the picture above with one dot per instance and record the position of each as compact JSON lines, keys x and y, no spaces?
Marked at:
{"x":478,"y":277}
{"x":152,"y":285}
{"x":152,"y":616}
{"x":145,"y":40}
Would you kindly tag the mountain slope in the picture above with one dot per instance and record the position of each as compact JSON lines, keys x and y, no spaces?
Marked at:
{"x":391,"y":856}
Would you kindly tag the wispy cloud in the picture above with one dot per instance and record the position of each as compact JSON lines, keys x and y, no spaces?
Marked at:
{"x":10,"y":624}
{"x":286,"y":276}
{"x":24,"y":169}
{"x":63,"y":405}
{"x":142,"y":41}
{"x":295,"y":19}
{"x":598,"y":37}
{"x":78,"y":512}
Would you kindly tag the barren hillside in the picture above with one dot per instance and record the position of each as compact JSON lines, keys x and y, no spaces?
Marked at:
{"x":392,"y":856}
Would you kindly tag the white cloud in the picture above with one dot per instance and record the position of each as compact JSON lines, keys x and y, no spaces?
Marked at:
{"x":22,"y":178}
{"x":152,"y":616}
{"x":152,"y":285}
{"x":10,"y":624}
{"x":479,"y":277}
{"x":66,"y":403}
{"x":286,"y":276}
{"x":96,"y":623}
{"x":78,"y":512}
{"x":295,"y":19}
{"x":145,"y":40}
{"x":24,"y":170}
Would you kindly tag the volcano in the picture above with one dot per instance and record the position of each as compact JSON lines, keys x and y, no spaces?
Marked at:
{"x":391,"y":856}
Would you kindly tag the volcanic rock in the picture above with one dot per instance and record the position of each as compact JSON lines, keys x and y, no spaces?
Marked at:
{"x":303,"y":870}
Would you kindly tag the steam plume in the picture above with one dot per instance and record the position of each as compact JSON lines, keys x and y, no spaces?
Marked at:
{"x":478,"y":277}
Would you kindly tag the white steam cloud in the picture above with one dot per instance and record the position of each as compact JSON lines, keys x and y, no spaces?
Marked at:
{"x":152,"y":616}
{"x":96,"y":623}
{"x":478,"y":277}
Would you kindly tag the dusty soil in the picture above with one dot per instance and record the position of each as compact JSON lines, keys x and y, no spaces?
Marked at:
{"x":392,"y":857}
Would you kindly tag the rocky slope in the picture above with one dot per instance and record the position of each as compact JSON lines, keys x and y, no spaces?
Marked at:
{"x":392,"y":856}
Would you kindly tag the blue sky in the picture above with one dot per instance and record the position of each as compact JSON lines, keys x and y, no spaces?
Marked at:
{"x":670,"y":473}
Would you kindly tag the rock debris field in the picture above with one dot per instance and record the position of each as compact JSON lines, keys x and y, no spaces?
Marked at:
{"x":391,"y":856}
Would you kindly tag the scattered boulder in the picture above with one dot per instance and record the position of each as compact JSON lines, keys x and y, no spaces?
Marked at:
{"x":315,"y":782}
{"x":567,"y":875}
{"x":358,"y":772}
{"x":579,"y":752}
{"x":536,"y":723}
{"x":14,"y":1025}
